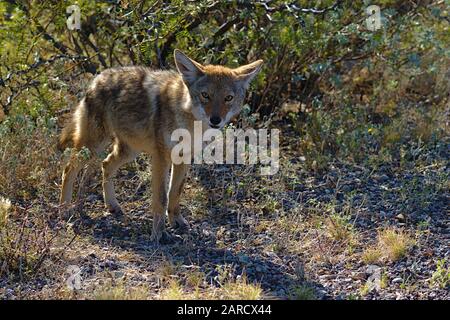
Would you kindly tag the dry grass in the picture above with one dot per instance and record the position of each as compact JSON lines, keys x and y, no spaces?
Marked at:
{"x":5,"y":206}
{"x":195,"y":279}
{"x":394,"y":243}
{"x":27,"y":243}
{"x":241,"y":289}
{"x":371,"y":255}
{"x":238,"y":289}
{"x":177,"y":284}
{"x":174,"y":292}
{"x":28,"y":169}
{"x":339,"y":228}
{"x":120,"y":291}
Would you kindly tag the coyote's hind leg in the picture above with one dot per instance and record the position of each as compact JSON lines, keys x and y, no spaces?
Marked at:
{"x":70,"y":173}
{"x":120,"y":155}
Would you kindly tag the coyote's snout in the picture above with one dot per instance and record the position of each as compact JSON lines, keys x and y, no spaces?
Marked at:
{"x":137,"y":109}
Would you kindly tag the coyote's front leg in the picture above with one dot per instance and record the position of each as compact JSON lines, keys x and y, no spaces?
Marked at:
{"x":160,"y":175}
{"x":176,"y":187}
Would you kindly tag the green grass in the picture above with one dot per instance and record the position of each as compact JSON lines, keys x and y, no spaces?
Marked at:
{"x":441,"y":276}
{"x":302,"y":292}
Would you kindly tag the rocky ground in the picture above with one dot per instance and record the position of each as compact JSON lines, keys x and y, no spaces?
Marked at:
{"x":297,"y":235}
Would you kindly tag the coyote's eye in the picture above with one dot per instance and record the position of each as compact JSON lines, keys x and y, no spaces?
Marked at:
{"x":205,"y":95}
{"x":228,"y":98}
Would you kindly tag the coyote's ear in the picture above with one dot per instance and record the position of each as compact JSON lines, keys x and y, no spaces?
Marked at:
{"x":188,"y":68}
{"x":246,"y":73}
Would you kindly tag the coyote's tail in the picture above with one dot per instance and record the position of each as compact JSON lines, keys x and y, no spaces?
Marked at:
{"x":75,"y":127}
{"x":67,"y":134}
{"x":83,"y":129}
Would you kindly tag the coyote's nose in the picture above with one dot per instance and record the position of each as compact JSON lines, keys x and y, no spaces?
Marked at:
{"x":215,"y":121}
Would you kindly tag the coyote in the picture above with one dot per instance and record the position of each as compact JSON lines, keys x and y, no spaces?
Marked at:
{"x":137,"y":109}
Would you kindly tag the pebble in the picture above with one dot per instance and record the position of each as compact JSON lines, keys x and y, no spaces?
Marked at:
{"x":397,"y":280}
{"x":385,"y":215}
{"x":91,"y":198}
{"x":371,"y":268}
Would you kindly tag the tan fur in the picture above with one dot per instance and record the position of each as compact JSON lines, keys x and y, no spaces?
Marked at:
{"x":137,"y":109}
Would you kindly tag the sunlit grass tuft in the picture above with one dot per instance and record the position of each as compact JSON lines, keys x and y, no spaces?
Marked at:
{"x":5,"y":206}
{"x":371,"y":255}
{"x":394,"y":243}
{"x":241,"y":289}
{"x":120,"y":291}
{"x":174,"y":291}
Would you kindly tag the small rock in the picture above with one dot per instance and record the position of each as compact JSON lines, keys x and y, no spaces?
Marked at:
{"x":91,"y":198}
{"x":397,"y":280}
{"x":108,"y":264}
{"x":385,"y":215}
{"x":259,"y":268}
{"x":372,"y":268}
{"x":243,"y":258}
{"x":399,"y":296}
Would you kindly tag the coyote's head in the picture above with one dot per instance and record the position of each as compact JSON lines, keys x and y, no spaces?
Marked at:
{"x":217,"y":92}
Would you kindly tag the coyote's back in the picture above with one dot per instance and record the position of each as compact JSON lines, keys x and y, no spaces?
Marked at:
{"x":117,"y":105}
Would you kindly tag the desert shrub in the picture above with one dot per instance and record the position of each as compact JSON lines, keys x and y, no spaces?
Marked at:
{"x":324,"y":58}
{"x":357,"y":94}
{"x":29,"y":164}
{"x":27,"y":242}
{"x":29,"y":171}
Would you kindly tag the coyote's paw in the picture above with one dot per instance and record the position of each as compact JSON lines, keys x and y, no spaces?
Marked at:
{"x":115,"y":210}
{"x":162,"y":237}
{"x":179,"y":223}
{"x":67,"y":214}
